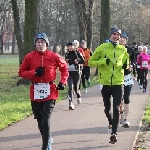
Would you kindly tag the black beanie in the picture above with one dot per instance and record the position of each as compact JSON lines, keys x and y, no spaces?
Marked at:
{"x":70,"y":43}
{"x":115,"y":30}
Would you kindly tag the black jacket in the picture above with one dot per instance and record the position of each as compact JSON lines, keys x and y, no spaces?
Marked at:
{"x":72,"y":55}
{"x":131,"y":56}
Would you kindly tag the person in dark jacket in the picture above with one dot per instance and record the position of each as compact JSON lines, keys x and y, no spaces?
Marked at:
{"x":74,"y":59}
{"x":40,"y":67}
{"x":128,"y":81}
{"x":133,"y":62}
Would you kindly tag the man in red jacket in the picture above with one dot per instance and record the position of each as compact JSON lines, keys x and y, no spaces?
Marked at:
{"x":40,"y":66}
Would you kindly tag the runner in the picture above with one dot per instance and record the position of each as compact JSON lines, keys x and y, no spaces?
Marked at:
{"x":86,"y":69}
{"x":40,"y":67}
{"x":140,"y":49}
{"x":135,"y":50}
{"x":111,"y":58}
{"x":128,"y":81}
{"x":74,"y":58}
{"x":144,"y":61}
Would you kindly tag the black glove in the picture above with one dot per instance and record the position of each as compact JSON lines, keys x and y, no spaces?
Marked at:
{"x":124,"y":66}
{"x":60,"y":86}
{"x":140,"y":58}
{"x":107,"y":61}
{"x":39,"y":71}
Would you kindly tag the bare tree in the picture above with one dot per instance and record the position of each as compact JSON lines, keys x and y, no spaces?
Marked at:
{"x":84,"y":10}
{"x":105,"y":20}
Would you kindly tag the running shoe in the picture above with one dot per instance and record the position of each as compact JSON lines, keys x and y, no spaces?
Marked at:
{"x":49,"y":144}
{"x":125,"y":124}
{"x":113,"y":139}
{"x":79,"y":100}
{"x":141,"y":87}
{"x":85,"y":90}
{"x":71,"y":106}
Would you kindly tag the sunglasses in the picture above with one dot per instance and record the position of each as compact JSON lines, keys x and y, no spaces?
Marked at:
{"x":75,"y":43}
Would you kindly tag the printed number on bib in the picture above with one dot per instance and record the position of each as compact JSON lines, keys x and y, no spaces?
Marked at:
{"x":128,"y":80}
{"x":41,"y":90}
{"x":145,"y":64}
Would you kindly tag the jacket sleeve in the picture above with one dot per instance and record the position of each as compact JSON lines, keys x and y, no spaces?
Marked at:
{"x":125,"y":60}
{"x":81,"y":58}
{"x":96,"y":60}
{"x":138,"y":61}
{"x":63,"y":69}
{"x":24,"y":70}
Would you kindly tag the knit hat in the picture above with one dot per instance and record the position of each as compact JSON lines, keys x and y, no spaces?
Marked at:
{"x":115,"y":30}
{"x":41,"y":35}
{"x":145,"y":48}
{"x":76,"y":42}
{"x":140,"y":47}
{"x":69,"y":44}
{"x":83,"y":41}
{"x":124,"y":35}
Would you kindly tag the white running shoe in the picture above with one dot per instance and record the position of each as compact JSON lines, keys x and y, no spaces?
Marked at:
{"x":126,"y":124}
{"x":85,"y":90}
{"x":79,"y":100}
{"x":141,"y":87}
{"x":71,"y":106}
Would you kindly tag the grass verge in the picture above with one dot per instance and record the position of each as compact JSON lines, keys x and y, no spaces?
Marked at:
{"x":14,"y":100}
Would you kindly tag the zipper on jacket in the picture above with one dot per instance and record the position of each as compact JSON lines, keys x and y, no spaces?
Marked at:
{"x":42,"y":65}
{"x":113,"y":65}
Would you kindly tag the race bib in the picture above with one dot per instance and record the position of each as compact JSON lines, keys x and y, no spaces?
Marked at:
{"x":145,"y":64}
{"x":128,"y":80}
{"x":72,"y":68}
{"x":41,"y":90}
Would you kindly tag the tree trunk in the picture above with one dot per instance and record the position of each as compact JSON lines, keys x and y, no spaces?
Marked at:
{"x":105,"y":20}
{"x":30,"y":24}
{"x":17,"y":30}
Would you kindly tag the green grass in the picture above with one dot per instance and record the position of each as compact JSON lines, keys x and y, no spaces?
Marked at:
{"x":146,"y":116}
{"x":15,"y":101}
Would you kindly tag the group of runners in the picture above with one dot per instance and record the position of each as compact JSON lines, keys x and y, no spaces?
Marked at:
{"x":115,"y":61}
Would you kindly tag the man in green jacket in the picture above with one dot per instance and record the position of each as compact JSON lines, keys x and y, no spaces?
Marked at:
{"x":111,"y":60}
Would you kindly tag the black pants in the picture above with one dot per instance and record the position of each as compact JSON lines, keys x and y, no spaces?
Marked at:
{"x":116,"y":92}
{"x":85,"y":75}
{"x":134,"y":69}
{"x":42,"y":112}
{"x":138,"y":75}
{"x":144,"y":79}
{"x":127,"y":91}
{"x":73,"y":83}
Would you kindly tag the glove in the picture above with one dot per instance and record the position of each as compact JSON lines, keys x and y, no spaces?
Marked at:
{"x":107,"y":61}
{"x":39,"y":71}
{"x":140,"y":58}
{"x":60,"y":86}
{"x":124,"y":66}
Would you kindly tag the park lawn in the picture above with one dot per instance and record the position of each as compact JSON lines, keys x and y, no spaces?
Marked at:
{"x":14,"y":100}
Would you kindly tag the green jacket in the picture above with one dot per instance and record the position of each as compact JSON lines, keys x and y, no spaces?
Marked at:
{"x":113,"y":73}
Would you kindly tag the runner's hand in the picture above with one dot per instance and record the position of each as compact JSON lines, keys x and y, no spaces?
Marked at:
{"x":60,"y":86}
{"x":39,"y":71}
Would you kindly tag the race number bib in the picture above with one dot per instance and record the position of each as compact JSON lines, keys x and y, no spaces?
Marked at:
{"x":41,"y":90}
{"x":145,"y":64}
{"x":128,"y":80}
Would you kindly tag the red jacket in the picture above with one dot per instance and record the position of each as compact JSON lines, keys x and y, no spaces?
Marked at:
{"x":50,"y":61}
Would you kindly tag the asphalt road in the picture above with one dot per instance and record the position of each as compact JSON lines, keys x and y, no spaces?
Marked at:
{"x":84,"y":128}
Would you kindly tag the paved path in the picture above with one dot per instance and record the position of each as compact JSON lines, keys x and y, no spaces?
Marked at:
{"x":85,"y":128}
